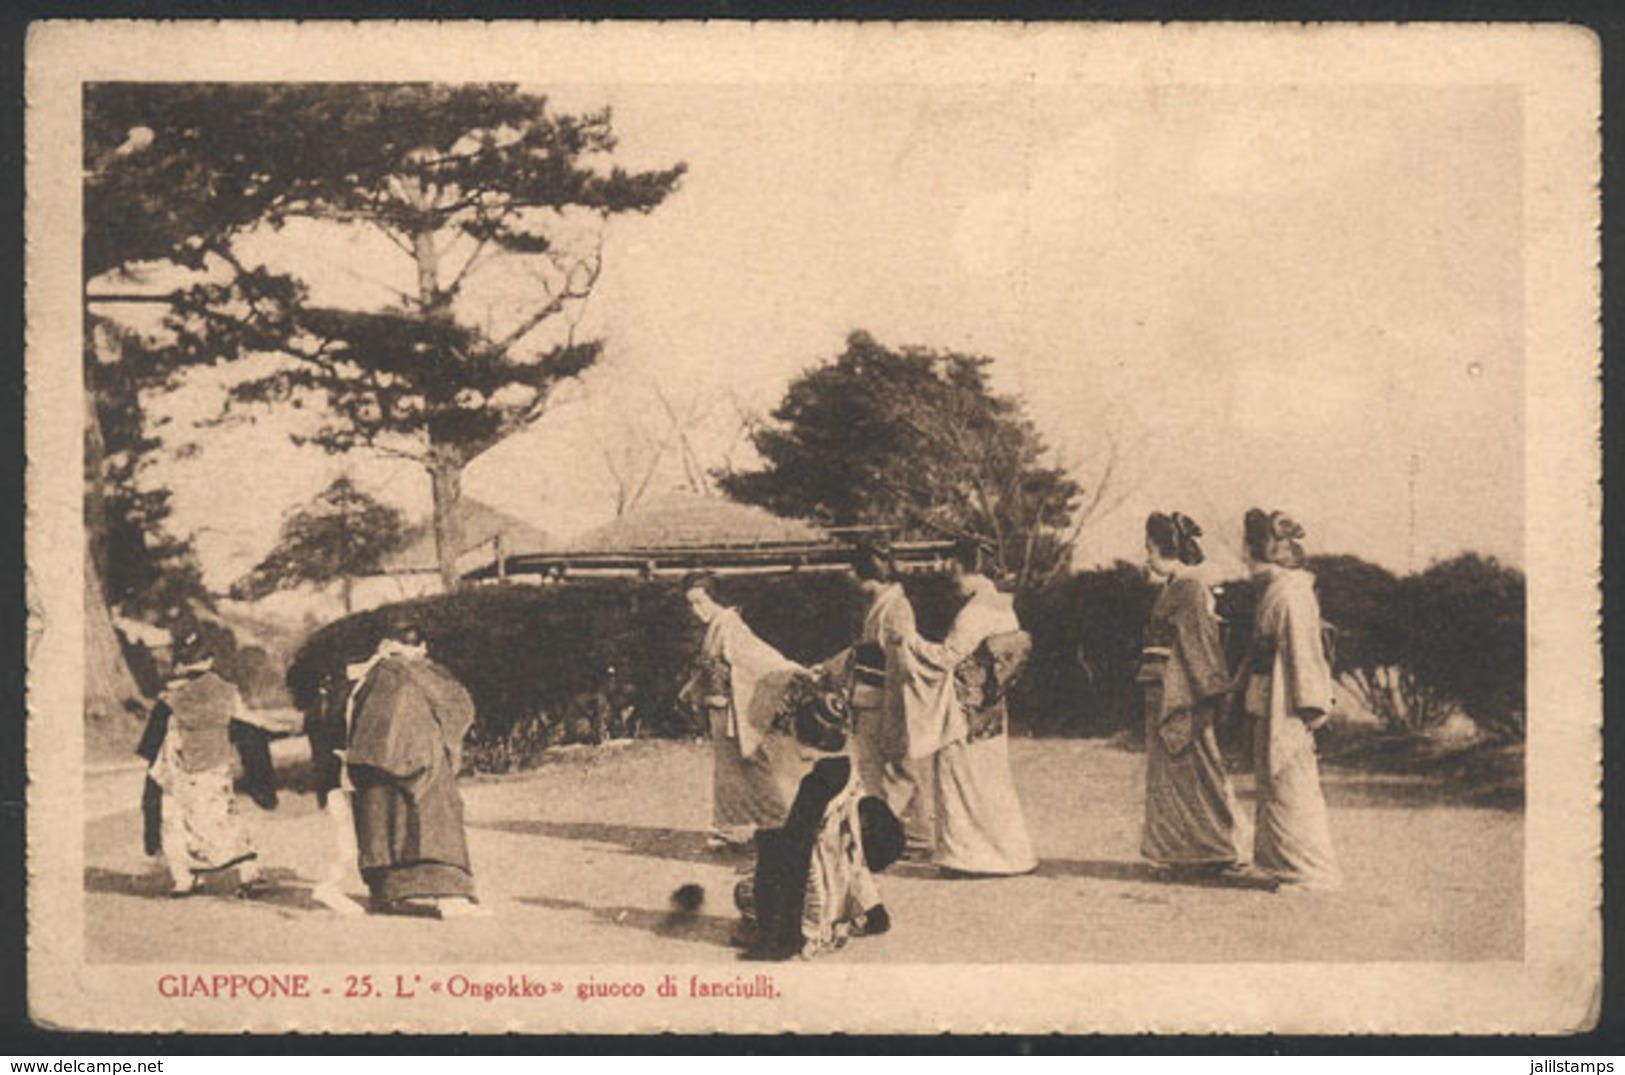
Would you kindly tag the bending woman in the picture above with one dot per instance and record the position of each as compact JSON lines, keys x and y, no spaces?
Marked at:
{"x":1190,"y":810}
{"x":954,"y":700}
{"x":738,"y":684}
{"x":1289,"y":695}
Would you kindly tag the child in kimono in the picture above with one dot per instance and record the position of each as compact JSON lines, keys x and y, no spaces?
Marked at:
{"x":189,"y":745}
{"x":813,"y":886}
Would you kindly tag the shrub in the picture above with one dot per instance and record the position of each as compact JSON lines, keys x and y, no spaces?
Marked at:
{"x":1086,"y":645}
{"x":538,"y":660}
{"x":1467,"y":639}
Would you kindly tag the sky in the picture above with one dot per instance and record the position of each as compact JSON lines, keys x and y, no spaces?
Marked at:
{"x":1298,"y":298}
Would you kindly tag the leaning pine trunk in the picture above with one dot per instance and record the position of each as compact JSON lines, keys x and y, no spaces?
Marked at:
{"x":109,"y":686}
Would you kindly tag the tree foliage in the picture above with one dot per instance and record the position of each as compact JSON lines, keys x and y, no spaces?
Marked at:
{"x":1086,"y":630}
{"x":916,"y":440}
{"x":1467,"y":639}
{"x":145,"y":567}
{"x":341,"y":534}
{"x":456,"y":178}
{"x":1365,"y":604}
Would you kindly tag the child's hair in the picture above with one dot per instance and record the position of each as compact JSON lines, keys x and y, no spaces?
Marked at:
{"x":872,"y":561}
{"x":820,"y":720}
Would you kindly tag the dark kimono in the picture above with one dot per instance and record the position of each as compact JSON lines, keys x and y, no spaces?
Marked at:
{"x":1190,"y":810}
{"x":406,"y":744}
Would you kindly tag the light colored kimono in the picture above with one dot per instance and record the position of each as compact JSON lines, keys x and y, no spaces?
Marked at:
{"x":1190,"y":810}
{"x":979,"y":824}
{"x":840,"y":888}
{"x":1289,"y":674}
{"x":880,"y":742}
{"x":202,"y":832}
{"x":739,"y":683}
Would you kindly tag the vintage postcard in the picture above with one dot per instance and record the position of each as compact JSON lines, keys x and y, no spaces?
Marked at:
{"x":813,"y":527}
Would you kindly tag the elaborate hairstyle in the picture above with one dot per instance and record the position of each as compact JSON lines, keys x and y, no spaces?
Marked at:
{"x":820,"y":720}
{"x":1273,"y":537}
{"x":872,"y":560}
{"x":701,"y":580}
{"x":1175,"y":536}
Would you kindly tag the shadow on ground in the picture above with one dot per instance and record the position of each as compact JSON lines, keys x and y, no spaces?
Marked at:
{"x":1359,"y":790}
{"x":683,"y":845}
{"x":674,"y":925}
{"x":1143,"y":873}
{"x":279,"y":888}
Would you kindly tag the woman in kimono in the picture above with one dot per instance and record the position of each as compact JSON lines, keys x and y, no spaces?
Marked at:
{"x":1190,"y":810}
{"x":1288,"y":694}
{"x":408,"y":717}
{"x":738,"y":684}
{"x":188,"y":742}
{"x":875,"y":676}
{"x":953,"y":695}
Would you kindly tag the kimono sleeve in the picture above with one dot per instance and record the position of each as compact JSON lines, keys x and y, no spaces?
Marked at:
{"x":758,"y":675}
{"x":1199,"y":646}
{"x":395,"y":728}
{"x":1303,"y":658}
{"x":898,"y":621}
{"x":453,"y":705}
{"x":822,"y":783}
{"x":152,"y":738}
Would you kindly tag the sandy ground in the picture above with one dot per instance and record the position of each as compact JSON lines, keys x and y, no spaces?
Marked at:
{"x":578,"y":860}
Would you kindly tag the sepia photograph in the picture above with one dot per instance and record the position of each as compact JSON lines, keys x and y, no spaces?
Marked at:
{"x":813,"y":527}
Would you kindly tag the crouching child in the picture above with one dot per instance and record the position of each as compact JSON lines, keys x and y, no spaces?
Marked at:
{"x":190,"y":806}
{"x":813,"y":885}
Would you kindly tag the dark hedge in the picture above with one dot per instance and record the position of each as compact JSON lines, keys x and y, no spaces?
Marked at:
{"x":539,"y":660}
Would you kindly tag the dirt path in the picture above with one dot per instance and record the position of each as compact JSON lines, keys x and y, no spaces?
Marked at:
{"x":579,"y":858}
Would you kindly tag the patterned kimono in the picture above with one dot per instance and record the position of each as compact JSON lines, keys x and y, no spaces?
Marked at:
{"x":954,"y":699}
{"x":1289,"y":675}
{"x":880,"y":742}
{"x":739,"y":682}
{"x":200,"y":832}
{"x":1190,"y":810}
{"x":406,"y":743}
{"x":812,"y":887}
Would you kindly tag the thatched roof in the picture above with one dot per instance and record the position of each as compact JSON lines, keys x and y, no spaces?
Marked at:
{"x":686,"y":520}
{"x":481,"y":524}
